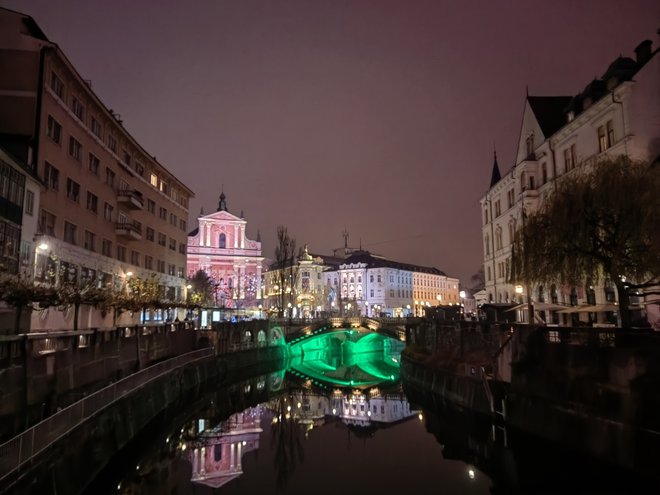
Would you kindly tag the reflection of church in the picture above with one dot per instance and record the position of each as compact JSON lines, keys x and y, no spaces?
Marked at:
{"x":219,"y":247}
{"x":217,"y":453}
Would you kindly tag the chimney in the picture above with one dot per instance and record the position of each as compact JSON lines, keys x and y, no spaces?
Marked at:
{"x":643,"y":52}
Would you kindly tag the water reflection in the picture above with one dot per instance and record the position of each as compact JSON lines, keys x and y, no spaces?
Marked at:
{"x":336,"y":417}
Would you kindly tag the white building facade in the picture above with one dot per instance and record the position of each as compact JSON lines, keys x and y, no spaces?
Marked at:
{"x":614,"y":115}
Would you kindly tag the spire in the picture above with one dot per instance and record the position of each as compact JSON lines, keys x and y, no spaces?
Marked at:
{"x":345,"y":235}
{"x":222,"y":205}
{"x":242,"y":215}
{"x":258,"y":236}
{"x":495,"y":177}
{"x":201,"y":211}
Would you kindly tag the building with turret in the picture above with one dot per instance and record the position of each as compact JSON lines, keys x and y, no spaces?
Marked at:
{"x":616,"y":114}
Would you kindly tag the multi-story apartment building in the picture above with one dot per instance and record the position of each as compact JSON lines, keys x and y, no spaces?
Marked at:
{"x":220,"y":248}
{"x":110,"y":210}
{"x":614,"y":115}
{"x":19,"y":205}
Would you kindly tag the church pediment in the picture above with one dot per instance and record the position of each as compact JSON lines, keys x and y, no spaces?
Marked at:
{"x":223,"y":216}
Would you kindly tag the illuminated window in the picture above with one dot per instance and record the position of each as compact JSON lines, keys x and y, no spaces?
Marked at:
{"x":153,"y":179}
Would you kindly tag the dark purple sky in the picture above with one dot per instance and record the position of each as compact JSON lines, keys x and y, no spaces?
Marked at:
{"x":375,"y":116}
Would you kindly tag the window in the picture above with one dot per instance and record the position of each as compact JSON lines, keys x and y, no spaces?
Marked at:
{"x":570,"y":158}
{"x":223,"y":241}
{"x":122,"y":218}
{"x":77,"y":108}
{"x":112,"y":143}
{"x":121,"y":252}
{"x":148,"y":262}
{"x":51,"y":177}
{"x":182,"y":248}
{"x":151,"y":206}
{"x":510,"y":196}
{"x":70,"y":233}
{"x":72,"y":190}
{"x":92,"y":202}
{"x":161,"y":266}
{"x":530,"y":146}
{"x":75,"y":148}
{"x":29,"y":202}
{"x":47,"y":222}
{"x":172,"y":244}
{"x":54,"y":130}
{"x":109,"y":177}
{"x":127,"y":157}
{"x":532,"y":182}
{"x":162,"y":239}
{"x":182,"y":224}
{"x":544,"y":173}
{"x":106,"y":248}
{"x":162,"y":213}
{"x":610,"y":133}
{"x":94,"y":163}
{"x":139,"y":168}
{"x":602,"y":139}
{"x":164,"y":188}
{"x":153,"y":179}
{"x":123,"y":185}
{"x":171,"y":269}
{"x":56,"y":85}
{"x":173,"y":219}
{"x":107,"y":211}
{"x":90,"y":240}
{"x":150,"y":234}
{"x":497,"y":208}
{"x":135,"y":258}
{"x":96,"y":128}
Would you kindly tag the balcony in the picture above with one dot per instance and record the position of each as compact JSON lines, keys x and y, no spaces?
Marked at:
{"x":131,"y":231}
{"x":130,"y":198}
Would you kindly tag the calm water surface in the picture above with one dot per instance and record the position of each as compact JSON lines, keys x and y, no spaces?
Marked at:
{"x":338,"y":420}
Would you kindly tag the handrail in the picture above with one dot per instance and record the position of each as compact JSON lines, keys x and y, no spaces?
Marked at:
{"x":24,"y":447}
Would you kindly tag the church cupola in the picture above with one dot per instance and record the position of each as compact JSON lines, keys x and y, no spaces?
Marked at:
{"x":222,"y":205}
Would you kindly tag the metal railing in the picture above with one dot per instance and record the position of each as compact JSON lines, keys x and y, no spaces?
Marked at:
{"x":24,"y":447}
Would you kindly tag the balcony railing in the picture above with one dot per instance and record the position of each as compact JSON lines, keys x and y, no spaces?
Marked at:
{"x":129,"y":230}
{"x":130,"y":198}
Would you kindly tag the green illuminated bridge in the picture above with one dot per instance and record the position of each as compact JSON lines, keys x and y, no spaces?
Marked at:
{"x":347,"y":352}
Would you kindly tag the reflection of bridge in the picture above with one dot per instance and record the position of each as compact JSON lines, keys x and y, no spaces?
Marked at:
{"x":298,"y":331}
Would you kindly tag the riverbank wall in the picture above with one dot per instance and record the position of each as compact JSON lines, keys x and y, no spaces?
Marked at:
{"x":593,"y":390}
{"x":75,"y":460}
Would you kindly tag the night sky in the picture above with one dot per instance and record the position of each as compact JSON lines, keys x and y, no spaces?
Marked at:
{"x":375,"y":116}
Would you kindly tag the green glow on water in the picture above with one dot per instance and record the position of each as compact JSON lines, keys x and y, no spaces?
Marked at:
{"x":346,"y":358}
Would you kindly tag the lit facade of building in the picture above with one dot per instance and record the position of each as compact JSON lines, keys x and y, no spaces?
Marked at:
{"x":310,"y":295}
{"x":374,"y":286}
{"x":109,"y":208}
{"x":220,"y":248}
{"x":614,"y":115}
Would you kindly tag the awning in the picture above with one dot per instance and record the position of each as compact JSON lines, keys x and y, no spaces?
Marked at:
{"x":595,"y":308}
{"x":542,"y":306}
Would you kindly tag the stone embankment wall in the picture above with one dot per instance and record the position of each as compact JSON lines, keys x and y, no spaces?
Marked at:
{"x":42,"y":372}
{"x":596,"y":390}
{"x":72,"y":464}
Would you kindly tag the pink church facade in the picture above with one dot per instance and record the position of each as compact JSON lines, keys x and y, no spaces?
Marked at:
{"x":220,"y":247}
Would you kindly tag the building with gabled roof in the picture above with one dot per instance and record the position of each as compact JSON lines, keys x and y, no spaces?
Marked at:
{"x":617,"y":114}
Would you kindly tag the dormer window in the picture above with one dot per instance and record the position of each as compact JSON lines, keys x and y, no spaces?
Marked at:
{"x":530,"y":145}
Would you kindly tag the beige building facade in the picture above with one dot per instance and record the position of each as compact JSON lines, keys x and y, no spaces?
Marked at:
{"x":109,"y":209}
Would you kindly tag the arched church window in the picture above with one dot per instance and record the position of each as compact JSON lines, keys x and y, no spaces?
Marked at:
{"x":222,"y":241}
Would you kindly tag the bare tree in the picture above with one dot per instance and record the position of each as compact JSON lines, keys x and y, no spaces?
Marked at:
{"x":287,"y":269}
